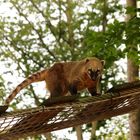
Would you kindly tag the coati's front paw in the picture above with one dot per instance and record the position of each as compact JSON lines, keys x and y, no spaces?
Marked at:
{"x":73,"y":89}
{"x":98,"y":94}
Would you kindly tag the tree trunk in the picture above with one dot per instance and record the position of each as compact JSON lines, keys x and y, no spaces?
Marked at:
{"x":79,"y":132}
{"x":93,"y":130}
{"x":132,"y":73}
{"x":134,"y":117}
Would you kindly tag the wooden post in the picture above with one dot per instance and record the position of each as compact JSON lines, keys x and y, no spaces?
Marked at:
{"x":79,"y":132}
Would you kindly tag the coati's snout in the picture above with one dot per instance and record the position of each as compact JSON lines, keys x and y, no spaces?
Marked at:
{"x":93,"y":74}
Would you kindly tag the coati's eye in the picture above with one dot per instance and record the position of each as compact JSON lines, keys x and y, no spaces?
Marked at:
{"x":89,"y":71}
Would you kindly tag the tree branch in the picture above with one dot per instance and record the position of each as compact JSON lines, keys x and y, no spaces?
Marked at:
{"x":38,"y":33}
{"x":46,"y":18}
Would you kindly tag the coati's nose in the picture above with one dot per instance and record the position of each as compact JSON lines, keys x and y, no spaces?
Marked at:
{"x":93,"y":74}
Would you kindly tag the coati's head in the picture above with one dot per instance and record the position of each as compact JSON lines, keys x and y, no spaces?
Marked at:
{"x":94,"y":67}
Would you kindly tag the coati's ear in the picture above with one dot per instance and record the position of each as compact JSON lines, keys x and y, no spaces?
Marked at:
{"x":87,"y":60}
{"x":103,"y":62}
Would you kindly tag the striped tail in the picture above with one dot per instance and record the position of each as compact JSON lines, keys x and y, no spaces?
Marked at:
{"x":39,"y":76}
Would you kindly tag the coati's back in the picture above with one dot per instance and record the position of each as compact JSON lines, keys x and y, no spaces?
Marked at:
{"x":72,"y":69}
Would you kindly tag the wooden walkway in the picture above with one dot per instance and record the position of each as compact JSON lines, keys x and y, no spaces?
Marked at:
{"x":69,"y":111}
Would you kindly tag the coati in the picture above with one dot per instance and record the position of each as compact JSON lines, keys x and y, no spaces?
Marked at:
{"x":66,"y":77}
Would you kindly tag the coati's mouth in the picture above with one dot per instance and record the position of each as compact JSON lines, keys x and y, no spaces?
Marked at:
{"x":93,"y":74}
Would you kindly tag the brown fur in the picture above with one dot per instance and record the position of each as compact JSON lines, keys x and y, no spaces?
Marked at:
{"x":66,"y":77}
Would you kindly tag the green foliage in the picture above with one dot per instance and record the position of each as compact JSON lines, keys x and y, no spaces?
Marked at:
{"x":132,"y":40}
{"x":2,"y":90}
{"x":117,"y":131}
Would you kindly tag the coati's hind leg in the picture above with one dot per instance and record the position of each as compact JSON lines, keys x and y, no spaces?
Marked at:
{"x":56,"y":91}
{"x":55,"y":81}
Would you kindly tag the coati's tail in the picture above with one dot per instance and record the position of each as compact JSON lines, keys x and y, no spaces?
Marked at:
{"x":39,"y":76}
